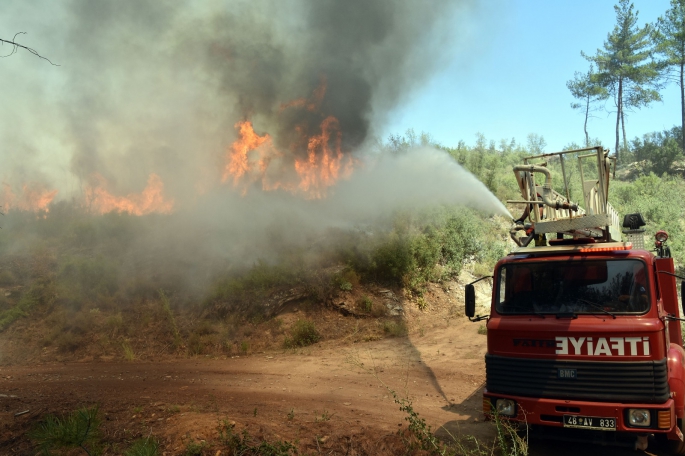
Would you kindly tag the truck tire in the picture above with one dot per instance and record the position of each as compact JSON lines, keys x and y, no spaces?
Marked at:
{"x":676,"y":446}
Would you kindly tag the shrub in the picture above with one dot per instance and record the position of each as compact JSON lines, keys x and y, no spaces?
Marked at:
{"x":85,"y":279}
{"x":79,"y":429}
{"x":243,"y":445}
{"x":365,"y":304}
{"x":246,"y":292}
{"x":395,"y":328}
{"x":28,"y":301}
{"x":302,"y":334}
{"x":129,"y":354}
{"x":68,"y":342}
{"x":143,"y":447}
{"x":115,"y":322}
{"x":7,"y":277}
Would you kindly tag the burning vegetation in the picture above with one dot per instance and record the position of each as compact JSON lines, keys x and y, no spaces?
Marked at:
{"x":150,"y":200}
{"x":32,"y":197}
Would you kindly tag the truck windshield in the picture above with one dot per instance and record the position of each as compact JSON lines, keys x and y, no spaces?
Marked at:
{"x":573,"y":287}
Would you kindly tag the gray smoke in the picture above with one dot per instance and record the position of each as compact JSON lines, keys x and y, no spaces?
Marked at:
{"x":157,"y":86}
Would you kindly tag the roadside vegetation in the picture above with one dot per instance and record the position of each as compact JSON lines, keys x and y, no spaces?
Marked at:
{"x":73,"y":284}
{"x":80,"y":432}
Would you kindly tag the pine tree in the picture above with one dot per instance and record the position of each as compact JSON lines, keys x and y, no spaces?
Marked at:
{"x":586,"y":88}
{"x":670,"y":42}
{"x":625,"y":67}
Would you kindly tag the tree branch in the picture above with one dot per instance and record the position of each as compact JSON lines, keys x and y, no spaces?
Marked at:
{"x":16,"y":46}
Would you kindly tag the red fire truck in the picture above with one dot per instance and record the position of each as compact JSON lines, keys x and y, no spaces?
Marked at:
{"x":584,"y":337}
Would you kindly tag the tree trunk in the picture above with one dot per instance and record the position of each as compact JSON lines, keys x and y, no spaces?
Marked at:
{"x":623,"y":126}
{"x":682,"y":107}
{"x":587,"y":113}
{"x":619,"y":110}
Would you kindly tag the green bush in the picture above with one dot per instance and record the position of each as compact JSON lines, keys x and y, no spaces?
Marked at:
{"x":302,"y":334}
{"x":395,"y":328}
{"x":659,"y":200}
{"x":427,"y":247}
{"x":245,"y":291}
{"x":81,"y":279}
{"x":79,"y":429}
{"x":143,"y":447}
{"x":36,"y":295}
{"x":242,"y":444}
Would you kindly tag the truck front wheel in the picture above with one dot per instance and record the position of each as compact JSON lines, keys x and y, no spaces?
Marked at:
{"x":677,"y":446}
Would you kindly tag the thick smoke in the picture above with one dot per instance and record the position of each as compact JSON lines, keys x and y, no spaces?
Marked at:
{"x":157,"y":86}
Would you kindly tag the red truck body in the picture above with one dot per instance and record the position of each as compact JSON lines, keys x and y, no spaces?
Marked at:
{"x":590,"y":365}
{"x":584,"y":331}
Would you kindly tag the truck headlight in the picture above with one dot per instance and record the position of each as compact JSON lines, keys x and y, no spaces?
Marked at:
{"x":505,"y":407}
{"x":639,"y":417}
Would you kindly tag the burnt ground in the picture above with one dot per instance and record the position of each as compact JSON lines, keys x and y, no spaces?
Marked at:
{"x":330,"y":398}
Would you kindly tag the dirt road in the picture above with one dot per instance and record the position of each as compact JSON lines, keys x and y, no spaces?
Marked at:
{"x":330,"y":391}
{"x":329,"y":398}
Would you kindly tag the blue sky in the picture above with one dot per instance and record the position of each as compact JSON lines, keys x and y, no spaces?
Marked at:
{"x":509,"y":78}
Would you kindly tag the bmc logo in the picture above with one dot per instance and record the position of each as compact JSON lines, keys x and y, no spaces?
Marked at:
{"x":612,"y":346}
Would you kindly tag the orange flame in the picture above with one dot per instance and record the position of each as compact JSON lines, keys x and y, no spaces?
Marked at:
{"x":238,"y":160}
{"x":150,"y":200}
{"x":322,"y":167}
{"x":33,"y":198}
{"x":254,"y":158}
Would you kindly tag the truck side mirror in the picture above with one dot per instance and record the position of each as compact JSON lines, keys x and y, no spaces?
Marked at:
{"x":682,"y":297}
{"x":470,"y":300}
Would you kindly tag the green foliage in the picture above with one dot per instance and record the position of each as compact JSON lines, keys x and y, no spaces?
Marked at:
{"x":166,"y":307}
{"x":143,"y":447}
{"x":79,"y":429}
{"x":325,"y":416}
{"x":346,"y":280}
{"x":395,"y":328}
{"x":194,"y":448}
{"x":242,"y":444}
{"x":400,"y":143}
{"x":81,"y":279}
{"x":670,"y":44}
{"x":657,"y":151}
{"x":365,"y":304}
{"x":40,"y":292}
{"x":246,"y":291}
{"x":128,"y":351}
{"x":625,"y":67}
{"x":587,"y":89}
{"x":302,"y":334}
{"x":509,"y":440}
{"x":660,"y":201}
{"x":428,"y":247}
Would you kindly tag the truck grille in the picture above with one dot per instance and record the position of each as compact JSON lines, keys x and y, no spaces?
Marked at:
{"x":620,"y":381}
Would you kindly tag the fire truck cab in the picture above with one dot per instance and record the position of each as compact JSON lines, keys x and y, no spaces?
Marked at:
{"x":584,"y":338}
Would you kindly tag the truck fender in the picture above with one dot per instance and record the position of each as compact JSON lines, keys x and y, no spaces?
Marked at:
{"x":676,"y":377}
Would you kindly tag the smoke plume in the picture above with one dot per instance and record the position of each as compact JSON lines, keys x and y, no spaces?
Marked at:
{"x":146,"y":104}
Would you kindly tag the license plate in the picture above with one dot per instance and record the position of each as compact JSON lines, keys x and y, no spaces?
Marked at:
{"x":590,"y":422}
